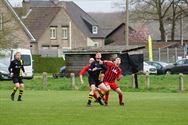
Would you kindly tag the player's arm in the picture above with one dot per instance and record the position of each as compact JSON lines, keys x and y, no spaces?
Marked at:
{"x":104,"y":68}
{"x":22,"y":67}
{"x":120,"y":75}
{"x":10,"y":67}
{"x":83,"y":71}
{"x":92,"y":68}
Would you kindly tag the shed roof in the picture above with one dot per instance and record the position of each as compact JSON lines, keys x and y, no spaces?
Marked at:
{"x":106,"y":49}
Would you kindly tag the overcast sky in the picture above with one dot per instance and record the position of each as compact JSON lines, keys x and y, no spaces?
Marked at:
{"x":88,"y":5}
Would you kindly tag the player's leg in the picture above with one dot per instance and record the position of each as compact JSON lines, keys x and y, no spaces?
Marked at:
{"x":107,"y":93}
{"x":103,"y":87}
{"x":21,"y":89}
{"x":16,"y":87}
{"x":94,"y":94}
{"x":118,"y":90}
{"x":114,"y":86}
{"x":91,"y":94}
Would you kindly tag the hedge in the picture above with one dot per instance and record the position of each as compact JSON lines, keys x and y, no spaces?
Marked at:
{"x":47,"y":64}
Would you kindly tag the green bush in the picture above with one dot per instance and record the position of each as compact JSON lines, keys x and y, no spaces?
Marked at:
{"x":47,"y":64}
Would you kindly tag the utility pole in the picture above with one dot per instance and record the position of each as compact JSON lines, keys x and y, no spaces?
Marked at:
{"x":181,"y":29}
{"x":127,"y":23}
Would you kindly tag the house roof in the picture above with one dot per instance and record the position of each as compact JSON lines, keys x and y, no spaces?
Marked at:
{"x":43,"y":12}
{"x":105,"y":49}
{"x":19,"y":20}
{"x":40,"y":18}
{"x":104,"y":19}
{"x":82,"y":20}
{"x":119,"y":26}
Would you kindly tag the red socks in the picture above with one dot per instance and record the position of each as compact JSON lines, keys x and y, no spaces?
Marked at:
{"x":120,"y":99}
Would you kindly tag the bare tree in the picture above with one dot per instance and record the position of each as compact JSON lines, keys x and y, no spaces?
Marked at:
{"x":164,"y":11}
{"x":7,"y":37}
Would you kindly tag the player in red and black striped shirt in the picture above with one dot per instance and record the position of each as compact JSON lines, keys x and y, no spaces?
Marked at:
{"x":112,"y":74}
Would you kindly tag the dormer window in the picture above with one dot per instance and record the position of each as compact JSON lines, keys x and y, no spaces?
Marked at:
{"x":94,"y":29}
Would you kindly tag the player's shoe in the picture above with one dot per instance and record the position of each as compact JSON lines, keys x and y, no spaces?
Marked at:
{"x":96,"y":101}
{"x":19,"y":99}
{"x":106,"y":103}
{"x":12,"y":97}
{"x":89,"y":105}
{"x":122,"y":104}
{"x":100,"y":102}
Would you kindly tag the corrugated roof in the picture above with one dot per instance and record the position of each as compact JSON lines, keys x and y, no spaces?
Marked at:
{"x":105,"y":49}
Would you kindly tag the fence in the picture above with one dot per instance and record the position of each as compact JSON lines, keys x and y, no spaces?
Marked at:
{"x":169,"y":55}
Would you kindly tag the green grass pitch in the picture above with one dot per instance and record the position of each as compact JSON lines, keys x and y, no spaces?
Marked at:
{"x":69,"y":108}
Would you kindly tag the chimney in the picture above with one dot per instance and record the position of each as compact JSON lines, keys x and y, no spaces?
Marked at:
{"x":55,"y":1}
{"x":25,"y":7}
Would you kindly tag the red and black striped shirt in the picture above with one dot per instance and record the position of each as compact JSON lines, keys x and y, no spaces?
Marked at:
{"x":113,"y":72}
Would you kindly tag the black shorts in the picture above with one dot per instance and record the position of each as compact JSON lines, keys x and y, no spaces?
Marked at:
{"x":17,"y":80}
{"x":95,"y":82}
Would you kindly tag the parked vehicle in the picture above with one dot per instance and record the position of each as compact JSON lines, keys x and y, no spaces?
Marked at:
{"x":160,"y":66}
{"x":4,"y":73}
{"x":27,"y":59}
{"x":62,"y":73}
{"x":181,"y":66}
{"x":150,"y":69}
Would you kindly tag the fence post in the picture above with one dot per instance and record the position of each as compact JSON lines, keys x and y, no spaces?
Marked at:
{"x":45,"y":80}
{"x":181,"y":82}
{"x":133,"y":81}
{"x":72,"y":80}
{"x":147,"y":80}
{"x":159,"y":50}
{"x":167,"y":53}
{"x":176,"y":54}
{"x":136,"y":80}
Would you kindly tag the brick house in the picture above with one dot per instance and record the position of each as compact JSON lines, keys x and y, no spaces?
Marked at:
{"x":59,"y":25}
{"x":16,"y":32}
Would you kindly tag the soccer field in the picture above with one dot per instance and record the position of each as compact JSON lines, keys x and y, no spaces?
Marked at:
{"x":69,"y":108}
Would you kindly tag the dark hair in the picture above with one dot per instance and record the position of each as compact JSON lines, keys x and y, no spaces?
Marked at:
{"x":114,"y":58}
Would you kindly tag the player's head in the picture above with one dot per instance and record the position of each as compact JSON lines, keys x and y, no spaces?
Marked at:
{"x":18,"y":55}
{"x":91,"y":60}
{"x":117,"y":61}
{"x":98,"y":56}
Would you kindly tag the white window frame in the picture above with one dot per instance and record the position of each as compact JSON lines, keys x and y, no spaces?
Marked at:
{"x":65,"y":32}
{"x":95,"y":29}
{"x":1,"y":21}
{"x":53,"y":33}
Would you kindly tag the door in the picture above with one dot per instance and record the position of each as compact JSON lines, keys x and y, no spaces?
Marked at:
{"x":178,"y":67}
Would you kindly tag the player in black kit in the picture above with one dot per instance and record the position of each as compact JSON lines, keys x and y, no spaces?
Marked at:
{"x":96,"y":73}
{"x":16,"y":68}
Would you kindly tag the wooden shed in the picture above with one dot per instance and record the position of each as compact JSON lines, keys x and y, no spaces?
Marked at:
{"x":132,"y":57}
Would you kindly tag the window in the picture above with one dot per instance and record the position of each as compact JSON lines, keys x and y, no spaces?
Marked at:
{"x":94,"y":29}
{"x":1,"y":21}
{"x":26,"y":59}
{"x":45,"y":46}
{"x":53,"y":32}
{"x":55,"y":46}
{"x":65,"y":32}
{"x":180,"y":62}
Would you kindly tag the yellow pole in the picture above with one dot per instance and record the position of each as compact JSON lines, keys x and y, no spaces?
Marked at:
{"x":150,"y":48}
